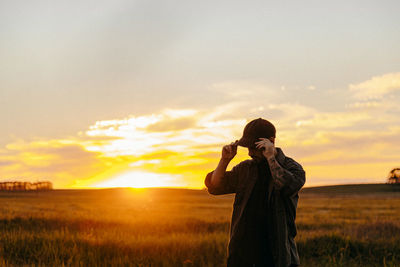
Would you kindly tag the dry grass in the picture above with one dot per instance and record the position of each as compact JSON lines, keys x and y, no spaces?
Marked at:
{"x":167,"y":227}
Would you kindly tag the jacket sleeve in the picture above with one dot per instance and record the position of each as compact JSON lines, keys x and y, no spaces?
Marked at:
{"x":228,"y":183}
{"x":293,"y":178}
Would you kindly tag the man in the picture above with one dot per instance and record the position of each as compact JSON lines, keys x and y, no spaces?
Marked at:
{"x":266,"y":187}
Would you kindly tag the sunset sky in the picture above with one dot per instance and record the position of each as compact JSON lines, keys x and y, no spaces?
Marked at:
{"x":145,"y":93}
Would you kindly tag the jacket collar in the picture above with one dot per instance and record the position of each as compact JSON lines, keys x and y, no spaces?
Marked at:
{"x":280,"y":157}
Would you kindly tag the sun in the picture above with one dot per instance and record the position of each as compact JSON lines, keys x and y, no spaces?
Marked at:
{"x":139,"y":179}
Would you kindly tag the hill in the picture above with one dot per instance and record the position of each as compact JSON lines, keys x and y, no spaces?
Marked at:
{"x":346,"y":189}
{"x":353,"y":189}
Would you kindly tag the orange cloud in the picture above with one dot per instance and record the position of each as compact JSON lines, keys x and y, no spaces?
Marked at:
{"x":377,"y":87}
{"x":358,"y":143}
{"x":50,"y":160}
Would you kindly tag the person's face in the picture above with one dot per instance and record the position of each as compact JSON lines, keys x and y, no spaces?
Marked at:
{"x":256,"y":154}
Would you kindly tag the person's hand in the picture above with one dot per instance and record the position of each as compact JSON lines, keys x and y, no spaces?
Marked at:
{"x":229,"y":151}
{"x":268,"y":148}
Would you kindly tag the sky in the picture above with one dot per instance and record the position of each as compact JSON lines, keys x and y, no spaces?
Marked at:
{"x":146,"y":93}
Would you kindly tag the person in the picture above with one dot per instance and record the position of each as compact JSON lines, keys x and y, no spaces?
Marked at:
{"x":266,"y":190}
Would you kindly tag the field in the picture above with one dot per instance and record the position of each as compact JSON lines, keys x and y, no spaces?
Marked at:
{"x":337,"y":226}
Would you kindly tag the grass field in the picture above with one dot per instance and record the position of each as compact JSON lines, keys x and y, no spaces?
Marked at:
{"x":337,"y":226}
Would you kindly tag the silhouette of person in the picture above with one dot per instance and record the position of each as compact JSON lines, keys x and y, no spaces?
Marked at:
{"x":266,"y":195}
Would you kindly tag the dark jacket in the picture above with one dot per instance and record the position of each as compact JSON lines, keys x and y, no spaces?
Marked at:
{"x":283,"y":202}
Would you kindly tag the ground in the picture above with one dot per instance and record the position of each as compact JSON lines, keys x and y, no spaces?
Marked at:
{"x":337,"y":226}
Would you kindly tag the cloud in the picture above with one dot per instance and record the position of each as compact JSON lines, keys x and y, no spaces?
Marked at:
{"x":143,"y":162}
{"x":243,"y":89}
{"x":377,"y":87}
{"x":182,"y":145}
{"x":287,"y":114}
{"x":6,"y":162}
{"x":53,"y":160}
{"x":149,"y":134}
{"x":172,"y":125}
{"x":166,"y":143}
{"x":313,"y":137}
{"x":365,"y":105}
{"x":334,"y":120}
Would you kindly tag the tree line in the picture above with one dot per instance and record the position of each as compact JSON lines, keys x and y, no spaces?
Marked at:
{"x":394,"y":176}
{"x":26,"y":186}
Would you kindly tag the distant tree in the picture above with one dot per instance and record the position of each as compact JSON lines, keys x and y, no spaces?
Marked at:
{"x":394,"y":176}
{"x":26,"y":186}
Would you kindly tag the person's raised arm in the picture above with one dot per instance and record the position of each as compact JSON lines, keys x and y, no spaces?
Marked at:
{"x":292,"y":178}
{"x":228,"y":153}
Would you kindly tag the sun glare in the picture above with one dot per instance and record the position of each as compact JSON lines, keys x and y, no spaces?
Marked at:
{"x":138,"y":179}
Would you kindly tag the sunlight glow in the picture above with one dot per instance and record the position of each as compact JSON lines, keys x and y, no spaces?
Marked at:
{"x":138,"y":179}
